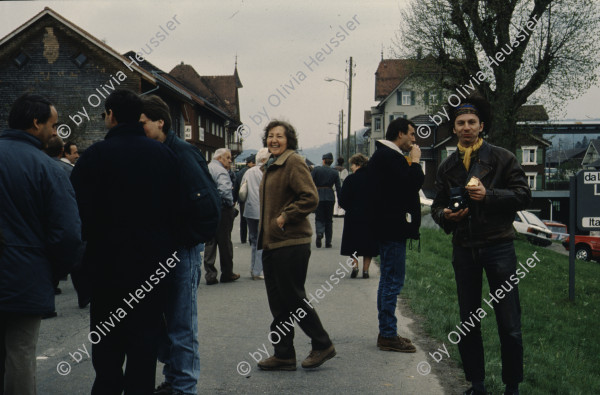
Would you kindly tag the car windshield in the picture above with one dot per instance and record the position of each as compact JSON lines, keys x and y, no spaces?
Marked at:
{"x":533,"y":219}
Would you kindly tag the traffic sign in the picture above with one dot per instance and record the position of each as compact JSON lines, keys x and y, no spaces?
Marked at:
{"x":588,"y":200}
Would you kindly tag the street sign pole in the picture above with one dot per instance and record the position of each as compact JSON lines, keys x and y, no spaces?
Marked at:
{"x":572,"y":224}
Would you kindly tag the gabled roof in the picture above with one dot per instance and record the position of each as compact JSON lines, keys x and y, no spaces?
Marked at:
{"x":47,"y":12}
{"x":392,"y":72}
{"x":172,"y":83}
{"x":220,"y":90}
{"x":596,"y":144}
{"x":563,"y":155}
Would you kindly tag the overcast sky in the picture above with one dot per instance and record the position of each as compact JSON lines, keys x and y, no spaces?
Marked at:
{"x":274,"y":41}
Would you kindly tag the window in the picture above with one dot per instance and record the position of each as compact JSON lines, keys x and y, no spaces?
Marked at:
{"x":406,"y":98}
{"x":529,"y":155}
{"x":377,"y":124}
{"x":21,"y":60}
{"x":201,"y":134}
{"x":80,"y":60}
{"x":450,"y":150}
{"x":433,"y":98}
{"x":531,"y":179}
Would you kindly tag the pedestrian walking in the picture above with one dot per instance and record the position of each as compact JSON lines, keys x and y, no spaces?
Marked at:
{"x":42,"y":236}
{"x":252,"y":179}
{"x":338,"y":211}
{"x":287,"y":196}
{"x":326,"y":179}
{"x":395,"y":216}
{"x":250,"y":163}
{"x":489,"y":186}
{"x":357,"y":239}
{"x":128,"y":203}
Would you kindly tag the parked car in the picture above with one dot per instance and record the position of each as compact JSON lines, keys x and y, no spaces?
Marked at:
{"x":586,"y":247}
{"x":559,"y":231}
{"x":533,"y":228}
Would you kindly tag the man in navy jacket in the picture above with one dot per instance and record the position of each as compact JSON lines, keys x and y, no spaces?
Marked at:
{"x":40,"y":223}
{"x":127,"y":188}
{"x":395,"y":181}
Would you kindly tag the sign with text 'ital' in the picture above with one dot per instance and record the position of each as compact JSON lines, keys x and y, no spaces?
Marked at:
{"x":588,"y":200}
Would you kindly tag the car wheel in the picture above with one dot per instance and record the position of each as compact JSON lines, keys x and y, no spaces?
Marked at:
{"x":583,"y":253}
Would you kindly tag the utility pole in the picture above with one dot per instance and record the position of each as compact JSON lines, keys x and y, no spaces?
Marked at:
{"x":349,"y":114}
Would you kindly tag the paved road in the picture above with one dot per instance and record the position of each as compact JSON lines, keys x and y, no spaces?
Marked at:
{"x":233,"y":322}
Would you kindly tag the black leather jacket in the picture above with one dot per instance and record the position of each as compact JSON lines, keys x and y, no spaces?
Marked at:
{"x":490,"y":220}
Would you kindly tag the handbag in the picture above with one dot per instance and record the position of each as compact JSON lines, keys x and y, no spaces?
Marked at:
{"x":243,"y":194}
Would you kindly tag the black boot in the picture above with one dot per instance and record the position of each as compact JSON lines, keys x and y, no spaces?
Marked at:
{"x":319,"y":238}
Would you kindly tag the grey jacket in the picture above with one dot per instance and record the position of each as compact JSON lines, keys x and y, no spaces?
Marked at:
{"x":224,"y":185}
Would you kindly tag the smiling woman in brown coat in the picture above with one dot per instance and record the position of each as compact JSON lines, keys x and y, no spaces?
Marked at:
{"x":287,"y":196}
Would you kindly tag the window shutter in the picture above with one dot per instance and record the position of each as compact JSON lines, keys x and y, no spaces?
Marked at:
{"x":412,"y":98}
{"x":444,"y":154}
{"x":519,"y":155}
{"x":399,"y":98}
{"x":538,"y":182}
{"x":539,"y":152}
{"x":426,"y":98}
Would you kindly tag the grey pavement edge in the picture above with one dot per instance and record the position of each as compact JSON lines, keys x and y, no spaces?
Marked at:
{"x":234,"y":323}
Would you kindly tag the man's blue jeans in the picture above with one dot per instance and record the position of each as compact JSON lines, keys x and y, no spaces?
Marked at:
{"x":392,"y":255}
{"x":178,"y":348}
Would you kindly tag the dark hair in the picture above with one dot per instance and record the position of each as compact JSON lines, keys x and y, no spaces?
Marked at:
{"x":328,"y":162}
{"x":398,"y":125}
{"x":125,"y":105}
{"x":340,"y":161}
{"x":27,"y":108}
{"x":290,"y":133}
{"x":68,"y":146}
{"x":54,"y":147}
{"x":359,"y":160}
{"x":156,"y":109}
{"x":484,"y":111}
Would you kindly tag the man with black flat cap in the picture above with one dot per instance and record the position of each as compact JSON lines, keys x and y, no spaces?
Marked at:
{"x":492,"y":184}
{"x":325,"y":178}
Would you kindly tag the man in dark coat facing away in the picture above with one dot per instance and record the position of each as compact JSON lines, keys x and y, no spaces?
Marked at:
{"x":395,"y":180}
{"x":38,"y":218}
{"x":127,"y":189}
{"x":325,"y":179}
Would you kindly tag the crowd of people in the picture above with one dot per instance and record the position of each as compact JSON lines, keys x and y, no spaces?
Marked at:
{"x":136,"y":211}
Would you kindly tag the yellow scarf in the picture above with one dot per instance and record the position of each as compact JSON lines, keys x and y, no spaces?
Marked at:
{"x":468,"y":151}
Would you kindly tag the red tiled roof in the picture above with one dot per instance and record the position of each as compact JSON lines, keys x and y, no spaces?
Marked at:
{"x":220,"y":90}
{"x":392,"y":72}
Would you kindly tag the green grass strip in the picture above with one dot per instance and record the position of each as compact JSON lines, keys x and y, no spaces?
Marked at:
{"x":560,"y":338}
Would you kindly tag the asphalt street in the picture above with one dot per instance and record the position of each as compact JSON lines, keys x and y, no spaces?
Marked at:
{"x":234,"y":323}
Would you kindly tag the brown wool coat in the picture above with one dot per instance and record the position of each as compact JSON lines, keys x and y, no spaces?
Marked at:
{"x":287,"y":189}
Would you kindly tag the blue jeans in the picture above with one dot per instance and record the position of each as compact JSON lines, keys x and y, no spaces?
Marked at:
{"x":256,"y":263}
{"x":393,"y":268}
{"x":178,"y":348}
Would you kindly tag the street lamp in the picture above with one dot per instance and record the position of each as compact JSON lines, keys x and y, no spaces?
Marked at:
{"x":349,"y":87}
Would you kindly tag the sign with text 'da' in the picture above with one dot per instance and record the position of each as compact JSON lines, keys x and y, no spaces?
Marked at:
{"x":588,"y":200}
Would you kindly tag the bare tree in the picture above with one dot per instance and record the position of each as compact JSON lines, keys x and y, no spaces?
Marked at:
{"x":511,"y":51}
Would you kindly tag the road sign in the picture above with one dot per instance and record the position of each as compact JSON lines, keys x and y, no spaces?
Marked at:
{"x":588,"y":200}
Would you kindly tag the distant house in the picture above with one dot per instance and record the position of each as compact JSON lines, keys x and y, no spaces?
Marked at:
{"x":405,"y":88}
{"x":52,"y":56}
{"x":221,"y":91}
{"x":591,"y":159}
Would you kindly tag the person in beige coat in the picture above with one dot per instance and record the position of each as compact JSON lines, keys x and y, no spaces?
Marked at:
{"x":287,"y":196}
